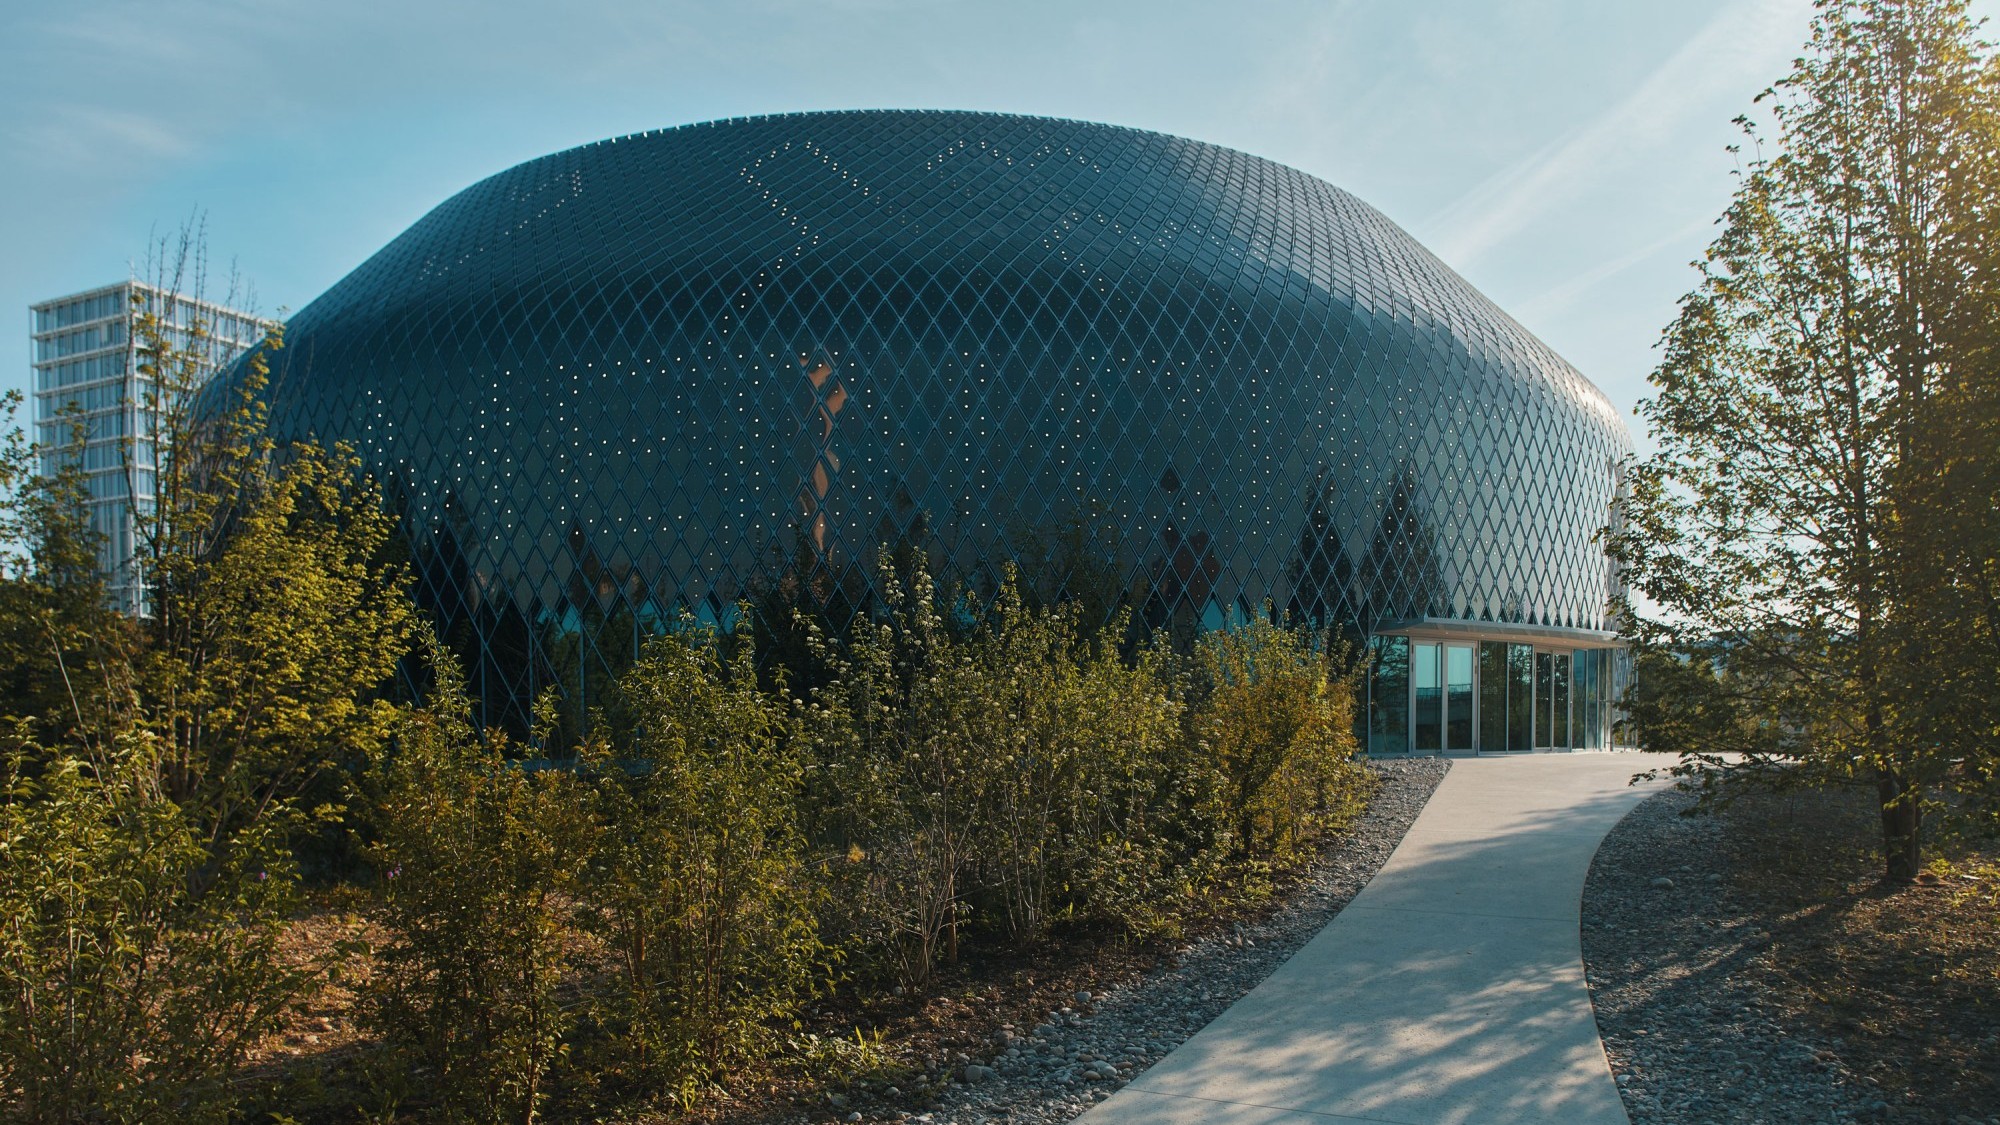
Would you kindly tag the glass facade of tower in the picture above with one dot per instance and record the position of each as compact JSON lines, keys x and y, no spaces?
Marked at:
{"x":677,"y":371}
{"x":88,"y":386}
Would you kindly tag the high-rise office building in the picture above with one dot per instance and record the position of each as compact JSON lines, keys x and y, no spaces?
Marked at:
{"x":87,"y":375}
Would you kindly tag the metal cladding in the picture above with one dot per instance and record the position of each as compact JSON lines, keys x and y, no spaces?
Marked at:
{"x":676,"y":370}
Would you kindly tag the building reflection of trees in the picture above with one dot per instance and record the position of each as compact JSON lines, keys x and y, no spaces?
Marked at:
{"x":514,"y":645}
{"x":1322,"y":572}
{"x":1181,"y":583}
{"x":1400,"y":577}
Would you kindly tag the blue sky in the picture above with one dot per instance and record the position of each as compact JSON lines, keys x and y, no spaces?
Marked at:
{"x":1566,"y":156}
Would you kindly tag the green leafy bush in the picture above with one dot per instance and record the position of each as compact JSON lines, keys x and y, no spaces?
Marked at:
{"x":1275,"y":721}
{"x":896,"y":779}
{"x":1078,"y":747}
{"x":699,"y":886}
{"x":1004,"y":767}
{"x":138,"y":957}
{"x":481,"y":861}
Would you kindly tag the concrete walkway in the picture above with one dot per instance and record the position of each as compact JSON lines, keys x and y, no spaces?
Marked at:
{"x":1450,"y":990}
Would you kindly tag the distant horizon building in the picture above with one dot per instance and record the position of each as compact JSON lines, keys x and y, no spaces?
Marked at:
{"x":85,"y":357}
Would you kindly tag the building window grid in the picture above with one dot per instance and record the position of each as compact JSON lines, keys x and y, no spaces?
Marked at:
{"x":86,"y":374}
{"x":1503,"y":696}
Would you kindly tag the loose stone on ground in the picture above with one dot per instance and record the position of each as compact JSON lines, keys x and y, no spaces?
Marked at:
{"x":1676,"y":971}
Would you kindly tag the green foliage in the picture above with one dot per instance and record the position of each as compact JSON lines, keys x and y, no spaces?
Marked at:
{"x":895,"y":781}
{"x":277,"y":611}
{"x":482,"y":862}
{"x":269,"y":669}
{"x":1007,"y":767}
{"x":138,"y":959}
{"x":1077,"y":747}
{"x":161,"y":768}
{"x":1276,"y":722}
{"x":698,"y":885}
{"x":55,"y":625}
{"x":1789,"y":522}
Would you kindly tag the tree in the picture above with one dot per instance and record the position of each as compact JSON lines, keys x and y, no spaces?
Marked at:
{"x":160,"y":772}
{"x":55,"y":624}
{"x":1771,"y":528}
{"x":277,"y":609}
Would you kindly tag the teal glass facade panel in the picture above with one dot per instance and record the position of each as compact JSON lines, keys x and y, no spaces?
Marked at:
{"x":673,"y":371}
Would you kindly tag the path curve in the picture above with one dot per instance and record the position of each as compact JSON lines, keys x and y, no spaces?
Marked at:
{"x":1450,"y":991}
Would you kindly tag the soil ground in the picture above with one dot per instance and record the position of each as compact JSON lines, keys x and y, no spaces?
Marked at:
{"x":1749,"y":963}
{"x":1906,"y":978}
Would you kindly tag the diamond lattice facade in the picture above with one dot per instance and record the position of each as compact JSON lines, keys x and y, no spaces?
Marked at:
{"x":677,"y":370}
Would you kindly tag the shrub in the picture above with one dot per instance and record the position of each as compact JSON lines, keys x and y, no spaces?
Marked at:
{"x":138,"y":958}
{"x":698,"y":886}
{"x":1276,"y":722}
{"x":481,"y":859}
{"x":1004,"y":766}
{"x":1076,"y":747}
{"x":896,"y":779}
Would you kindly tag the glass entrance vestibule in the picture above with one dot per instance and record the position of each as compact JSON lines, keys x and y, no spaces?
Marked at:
{"x":1429,"y":695}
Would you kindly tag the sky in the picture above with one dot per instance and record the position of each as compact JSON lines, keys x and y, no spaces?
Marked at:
{"x":1568,"y":157}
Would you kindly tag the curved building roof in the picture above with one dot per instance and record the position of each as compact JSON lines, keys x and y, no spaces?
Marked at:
{"x":672,"y":368}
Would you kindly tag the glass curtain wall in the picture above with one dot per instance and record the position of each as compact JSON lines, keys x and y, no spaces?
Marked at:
{"x":1436,"y":696}
{"x":1389,"y":697}
{"x":1427,"y":725}
{"x":1458,"y":697}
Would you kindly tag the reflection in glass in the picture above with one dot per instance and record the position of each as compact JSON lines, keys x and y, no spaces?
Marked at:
{"x":1429,"y":719}
{"x":1458,"y":697}
{"x":1589,"y":721}
{"x":1322,"y":575}
{"x":1520,"y":686}
{"x":1544,"y":683}
{"x":1400,"y":575}
{"x":1560,"y":703}
{"x":1492,"y":695}
{"x":1389,"y":697}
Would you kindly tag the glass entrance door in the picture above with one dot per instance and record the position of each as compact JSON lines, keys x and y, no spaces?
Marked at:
{"x":1545,"y":682}
{"x":1559,"y":704}
{"x":1492,"y":696}
{"x":1426,"y":698}
{"x":1458,"y":698}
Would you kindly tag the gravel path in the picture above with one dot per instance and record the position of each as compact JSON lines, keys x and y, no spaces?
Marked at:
{"x":1676,"y":967}
{"x":1076,"y":1057}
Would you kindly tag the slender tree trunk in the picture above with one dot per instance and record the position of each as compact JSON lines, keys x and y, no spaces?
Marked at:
{"x":1902,"y":824}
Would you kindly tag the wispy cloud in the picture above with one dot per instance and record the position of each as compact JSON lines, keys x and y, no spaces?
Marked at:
{"x":1558,"y":298}
{"x":82,"y":138}
{"x":1747,"y":41}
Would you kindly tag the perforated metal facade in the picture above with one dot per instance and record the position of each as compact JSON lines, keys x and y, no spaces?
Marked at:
{"x":671,"y":370}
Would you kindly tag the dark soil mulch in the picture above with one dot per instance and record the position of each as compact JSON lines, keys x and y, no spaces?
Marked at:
{"x":1906,"y":978}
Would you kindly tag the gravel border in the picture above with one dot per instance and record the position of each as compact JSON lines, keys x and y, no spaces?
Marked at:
{"x":1677,"y":964}
{"x":1076,"y":1057}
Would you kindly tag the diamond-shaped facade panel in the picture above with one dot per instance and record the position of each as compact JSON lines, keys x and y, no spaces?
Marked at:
{"x":670,"y":371}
